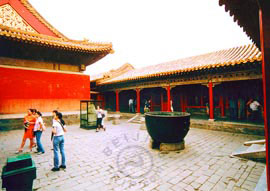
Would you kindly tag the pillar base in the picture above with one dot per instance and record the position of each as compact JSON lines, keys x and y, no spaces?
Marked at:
{"x":211,"y":120}
{"x":116,"y":119}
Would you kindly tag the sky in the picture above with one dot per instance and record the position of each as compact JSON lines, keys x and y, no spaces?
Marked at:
{"x":144,"y":32}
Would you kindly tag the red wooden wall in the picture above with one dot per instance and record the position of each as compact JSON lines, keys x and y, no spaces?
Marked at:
{"x":21,"y":89}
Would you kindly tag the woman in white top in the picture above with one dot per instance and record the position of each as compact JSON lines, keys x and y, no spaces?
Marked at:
{"x":38,"y":129}
{"x":58,"y":130}
{"x":100,"y":116}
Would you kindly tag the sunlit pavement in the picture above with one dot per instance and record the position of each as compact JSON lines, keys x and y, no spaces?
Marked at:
{"x":120,"y":159}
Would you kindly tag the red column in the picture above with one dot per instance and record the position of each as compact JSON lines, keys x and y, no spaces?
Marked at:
{"x":264,"y":17}
{"x":117,"y":100}
{"x":211,"y":101}
{"x":185,"y":103}
{"x":182,"y":102}
{"x":168,"y":98}
{"x":161,"y":100}
{"x":221,"y":104}
{"x":138,"y":100}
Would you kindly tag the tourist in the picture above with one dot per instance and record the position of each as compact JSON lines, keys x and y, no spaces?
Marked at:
{"x":171,"y":105}
{"x":34,"y":139}
{"x":100,"y":116}
{"x":147,"y":106}
{"x":130,"y":105}
{"x":29,"y":122}
{"x":58,"y":130}
{"x":207,"y":108}
{"x":54,"y":112}
{"x":255,"y":107}
{"x":38,"y":129}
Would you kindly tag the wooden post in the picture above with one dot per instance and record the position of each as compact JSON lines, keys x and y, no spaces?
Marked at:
{"x":161,"y":100}
{"x":211,"y":101}
{"x":264,"y":18}
{"x":182,"y":103}
{"x":168,"y":98}
{"x":138,"y":100}
{"x":221,"y":104}
{"x":117,"y":100}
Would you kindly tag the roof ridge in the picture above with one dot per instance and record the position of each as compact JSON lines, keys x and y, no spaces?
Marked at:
{"x":50,"y":40}
{"x":30,"y":8}
{"x":231,"y":56}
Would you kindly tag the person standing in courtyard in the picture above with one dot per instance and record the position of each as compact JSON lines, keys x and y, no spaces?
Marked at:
{"x":255,"y":108}
{"x":58,"y":130}
{"x":36,"y":116}
{"x":100,"y":116}
{"x":29,"y":122}
{"x":38,"y":129}
{"x":130,"y":105}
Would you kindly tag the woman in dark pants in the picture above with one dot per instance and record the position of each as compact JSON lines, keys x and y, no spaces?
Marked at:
{"x":100,"y":116}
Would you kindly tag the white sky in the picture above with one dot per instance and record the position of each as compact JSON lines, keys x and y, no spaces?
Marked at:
{"x":144,"y":32}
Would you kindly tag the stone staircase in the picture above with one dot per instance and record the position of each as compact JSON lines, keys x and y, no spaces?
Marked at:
{"x":138,"y":118}
{"x":253,"y":150}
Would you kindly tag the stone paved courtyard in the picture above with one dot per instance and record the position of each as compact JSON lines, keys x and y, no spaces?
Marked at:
{"x":120,"y":159}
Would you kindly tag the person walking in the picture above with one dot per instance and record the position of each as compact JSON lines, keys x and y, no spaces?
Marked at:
{"x":29,"y":122}
{"x":100,"y":116}
{"x":38,"y":129}
{"x":58,"y":130}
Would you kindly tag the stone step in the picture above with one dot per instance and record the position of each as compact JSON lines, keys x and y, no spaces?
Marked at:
{"x":248,"y":143}
{"x":255,"y":151}
{"x":255,"y":147}
{"x":136,"y":119}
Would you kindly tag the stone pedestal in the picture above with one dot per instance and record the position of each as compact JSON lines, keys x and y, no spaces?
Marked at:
{"x":167,"y":146}
{"x":172,"y":146}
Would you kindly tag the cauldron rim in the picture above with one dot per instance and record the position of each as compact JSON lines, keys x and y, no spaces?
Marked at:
{"x":156,"y":114}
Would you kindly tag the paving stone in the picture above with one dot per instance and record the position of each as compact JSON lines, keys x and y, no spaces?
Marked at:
{"x":207,"y":186}
{"x":203,"y":165}
{"x":202,"y":179}
{"x":164,"y":187}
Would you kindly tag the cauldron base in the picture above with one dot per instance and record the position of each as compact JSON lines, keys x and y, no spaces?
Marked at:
{"x":167,"y":146}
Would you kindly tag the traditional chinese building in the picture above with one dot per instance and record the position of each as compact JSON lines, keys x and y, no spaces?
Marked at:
{"x":39,"y":66}
{"x":192,"y":84}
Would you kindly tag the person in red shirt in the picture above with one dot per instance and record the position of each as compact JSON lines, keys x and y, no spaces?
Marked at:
{"x":29,"y":123}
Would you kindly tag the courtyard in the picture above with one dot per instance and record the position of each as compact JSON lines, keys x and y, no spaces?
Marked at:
{"x":120,"y":159}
